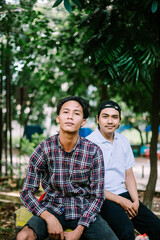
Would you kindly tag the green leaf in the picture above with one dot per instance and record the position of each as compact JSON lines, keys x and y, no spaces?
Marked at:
{"x":137,"y":75}
{"x":57,"y":3}
{"x":77,"y":2}
{"x":154,"y":6}
{"x":67,"y":6}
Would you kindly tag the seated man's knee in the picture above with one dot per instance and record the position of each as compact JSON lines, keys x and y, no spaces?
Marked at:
{"x":26,"y":234}
{"x":127,"y":234}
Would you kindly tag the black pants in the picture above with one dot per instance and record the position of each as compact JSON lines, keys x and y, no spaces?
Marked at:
{"x":145,"y":222}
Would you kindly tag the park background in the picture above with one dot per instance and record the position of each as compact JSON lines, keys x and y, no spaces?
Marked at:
{"x":99,"y":50}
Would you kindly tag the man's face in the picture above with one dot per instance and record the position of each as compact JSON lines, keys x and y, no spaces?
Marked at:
{"x":108,"y":121}
{"x":70,"y":117}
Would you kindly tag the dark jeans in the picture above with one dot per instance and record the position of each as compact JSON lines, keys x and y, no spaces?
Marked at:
{"x":145,"y":222}
{"x":98,"y":230}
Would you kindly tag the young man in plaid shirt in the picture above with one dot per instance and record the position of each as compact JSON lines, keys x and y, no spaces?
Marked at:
{"x":71,"y":172}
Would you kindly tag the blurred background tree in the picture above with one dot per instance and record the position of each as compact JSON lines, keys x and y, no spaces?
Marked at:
{"x":123,"y":40}
{"x":101,"y":50}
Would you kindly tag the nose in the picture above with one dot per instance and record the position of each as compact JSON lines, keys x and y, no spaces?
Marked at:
{"x":70,"y":115}
{"x":109,"y":120}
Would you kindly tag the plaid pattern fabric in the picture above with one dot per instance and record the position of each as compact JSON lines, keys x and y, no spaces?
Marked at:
{"x":73,"y":181}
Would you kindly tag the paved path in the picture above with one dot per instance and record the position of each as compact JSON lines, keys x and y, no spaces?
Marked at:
{"x":142,"y":171}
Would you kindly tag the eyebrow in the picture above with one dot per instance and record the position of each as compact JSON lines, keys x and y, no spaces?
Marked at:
{"x":76,"y":110}
{"x":106,"y":114}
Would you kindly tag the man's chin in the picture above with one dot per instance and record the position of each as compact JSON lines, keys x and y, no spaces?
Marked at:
{"x":110,"y":129}
{"x":71,"y":130}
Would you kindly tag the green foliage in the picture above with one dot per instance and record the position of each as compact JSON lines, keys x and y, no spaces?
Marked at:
{"x":57,"y":3}
{"x":28,"y":147}
{"x":77,"y":2}
{"x":122,"y":39}
{"x":31,"y":47}
{"x":96,"y":47}
{"x":67,"y":4}
{"x":37,"y":138}
{"x":154,"y":6}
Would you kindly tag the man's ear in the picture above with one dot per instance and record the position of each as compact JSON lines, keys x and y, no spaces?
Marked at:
{"x":57,"y":119}
{"x":97,"y":119}
{"x":83,"y":122}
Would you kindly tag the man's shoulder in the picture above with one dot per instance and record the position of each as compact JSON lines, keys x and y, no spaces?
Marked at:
{"x":122,"y":138}
{"x":96,"y":137}
{"x":50,"y":140}
{"x":87,"y":141}
{"x":91,"y":136}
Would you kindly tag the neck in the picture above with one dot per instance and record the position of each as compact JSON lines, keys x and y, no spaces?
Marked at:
{"x":108,"y":136}
{"x":68,"y":140}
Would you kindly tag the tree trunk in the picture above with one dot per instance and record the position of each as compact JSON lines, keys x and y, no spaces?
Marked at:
{"x":150,"y":189}
{"x":5,"y":144}
{"x":1,"y":115}
{"x":103,"y":93}
{"x":8,"y":106}
{"x":147,"y":141}
{"x":10,"y":120}
{"x":140,"y":134}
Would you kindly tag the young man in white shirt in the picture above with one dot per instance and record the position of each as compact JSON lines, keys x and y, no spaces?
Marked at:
{"x":121,"y":209}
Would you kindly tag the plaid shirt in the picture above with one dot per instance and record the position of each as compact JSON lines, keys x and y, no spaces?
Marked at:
{"x":73,"y":181}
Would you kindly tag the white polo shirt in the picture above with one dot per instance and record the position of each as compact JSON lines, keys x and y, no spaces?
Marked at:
{"x":118,"y":157}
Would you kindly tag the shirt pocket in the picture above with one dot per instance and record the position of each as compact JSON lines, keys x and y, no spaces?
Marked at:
{"x":80,"y":174}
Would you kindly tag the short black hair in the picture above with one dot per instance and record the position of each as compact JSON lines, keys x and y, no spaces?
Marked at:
{"x":109,"y":104}
{"x":80,"y":100}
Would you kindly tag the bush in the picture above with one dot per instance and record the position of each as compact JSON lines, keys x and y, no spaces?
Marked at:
{"x":28,"y":147}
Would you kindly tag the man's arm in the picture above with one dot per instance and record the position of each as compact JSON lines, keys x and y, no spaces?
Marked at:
{"x":75,"y":234}
{"x":132,"y":189}
{"x":96,"y":198}
{"x":122,"y":201}
{"x":32,"y":182}
{"x":54,"y":227}
{"x":131,"y":208}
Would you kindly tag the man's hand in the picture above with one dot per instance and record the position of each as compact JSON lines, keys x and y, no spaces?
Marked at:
{"x":131,"y":208}
{"x":75,"y":234}
{"x":136,"y":206}
{"x":55,"y":230}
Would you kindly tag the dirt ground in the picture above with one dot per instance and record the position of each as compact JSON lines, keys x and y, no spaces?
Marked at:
{"x":7,"y":222}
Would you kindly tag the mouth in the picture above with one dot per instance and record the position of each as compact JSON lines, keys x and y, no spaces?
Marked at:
{"x":69,"y":124}
{"x":110,"y":127}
